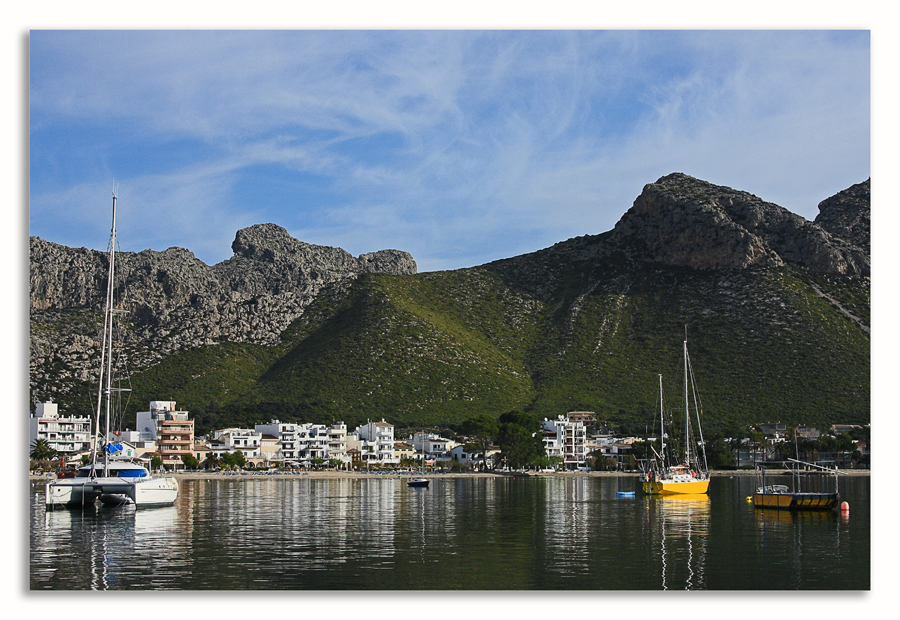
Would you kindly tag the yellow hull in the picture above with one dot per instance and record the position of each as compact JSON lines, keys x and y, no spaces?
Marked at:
{"x":692,"y":487}
{"x":798,"y":501}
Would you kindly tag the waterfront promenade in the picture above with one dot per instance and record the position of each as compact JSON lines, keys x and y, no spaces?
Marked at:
{"x":326,"y":474}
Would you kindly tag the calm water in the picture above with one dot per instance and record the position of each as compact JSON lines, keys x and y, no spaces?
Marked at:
{"x":471,"y":534}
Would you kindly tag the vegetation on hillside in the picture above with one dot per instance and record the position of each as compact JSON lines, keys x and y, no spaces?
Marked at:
{"x":435,"y":349}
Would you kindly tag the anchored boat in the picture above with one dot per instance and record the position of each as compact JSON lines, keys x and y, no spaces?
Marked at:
{"x":113,"y":481}
{"x":686,"y":471}
{"x":782,"y":497}
{"x":420,"y":482}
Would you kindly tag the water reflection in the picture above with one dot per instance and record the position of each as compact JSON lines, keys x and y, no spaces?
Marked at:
{"x":549,"y":533}
{"x":680,"y":527}
{"x":570,"y":511}
{"x":104,"y":548}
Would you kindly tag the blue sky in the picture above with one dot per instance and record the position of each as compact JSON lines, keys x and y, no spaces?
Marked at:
{"x":460,"y":147}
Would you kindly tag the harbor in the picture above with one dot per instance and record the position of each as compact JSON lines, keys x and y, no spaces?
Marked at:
{"x":327,"y":530}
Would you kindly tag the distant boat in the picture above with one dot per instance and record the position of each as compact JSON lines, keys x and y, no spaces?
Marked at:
{"x":420,"y":482}
{"x":784,"y":498}
{"x":113,"y":481}
{"x":625,"y":493}
{"x":687,"y":472}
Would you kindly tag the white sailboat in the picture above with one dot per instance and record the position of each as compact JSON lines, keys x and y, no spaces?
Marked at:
{"x":420,"y":481}
{"x":112,"y":481}
{"x":686,"y":473}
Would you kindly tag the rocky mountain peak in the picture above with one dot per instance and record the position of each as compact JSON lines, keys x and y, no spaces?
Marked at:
{"x":177,"y":302}
{"x":683,"y":221}
{"x":847,"y":214}
{"x":265,"y":242}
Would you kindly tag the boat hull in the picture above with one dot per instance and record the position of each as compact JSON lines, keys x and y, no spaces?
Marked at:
{"x":418,"y":482}
{"x":663,"y":487}
{"x":82,"y":492}
{"x":796,"y":501}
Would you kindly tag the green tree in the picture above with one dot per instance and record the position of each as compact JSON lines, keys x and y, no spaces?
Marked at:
{"x":190,"y":461}
{"x":481,"y":429}
{"x":211,"y":462}
{"x":234,"y":459}
{"x":155,"y":461}
{"x":718,"y":453}
{"x":519,"y":439}
{"x":42,"y":451}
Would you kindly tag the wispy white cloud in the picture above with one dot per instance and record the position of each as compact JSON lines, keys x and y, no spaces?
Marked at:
{"x":460,"y":147}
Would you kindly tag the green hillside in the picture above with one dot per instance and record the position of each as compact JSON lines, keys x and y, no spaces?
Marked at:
{"x":436,"y":348}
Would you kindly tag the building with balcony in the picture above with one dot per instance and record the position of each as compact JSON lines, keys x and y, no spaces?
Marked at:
{"x":376,"y":443}
{"x":565,"y":439}
{"x":68,"y":435}
{"x":172,"y":430}
{"x":288,"y":442}
{"x":305,"y":444}
{"x":433,"y":446}
{"x":248,"y":441}
{"x":588,"y":418}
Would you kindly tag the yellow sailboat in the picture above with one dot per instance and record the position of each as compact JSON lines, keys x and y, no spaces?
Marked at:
{"x":685,"y":473}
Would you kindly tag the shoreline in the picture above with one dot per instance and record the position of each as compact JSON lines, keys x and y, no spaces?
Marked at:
{"x":329,"y":474}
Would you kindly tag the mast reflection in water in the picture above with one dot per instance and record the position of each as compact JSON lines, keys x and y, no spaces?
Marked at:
{"x":545,"y":533}
{"x":680,"y":524}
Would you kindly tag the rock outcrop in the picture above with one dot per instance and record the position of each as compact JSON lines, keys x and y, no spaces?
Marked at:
{"x":176,"y":301}
{"x":847,"y":214}
{"x":680,"y":220}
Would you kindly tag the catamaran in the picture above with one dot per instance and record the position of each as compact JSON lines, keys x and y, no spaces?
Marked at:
{"x":687,"y":471}
{"x":113,"y":480}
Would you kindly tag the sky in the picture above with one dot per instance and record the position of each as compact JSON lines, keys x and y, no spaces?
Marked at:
{"x":458,"y":146}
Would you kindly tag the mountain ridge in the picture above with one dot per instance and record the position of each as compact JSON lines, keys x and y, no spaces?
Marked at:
{"x":577,"y":325}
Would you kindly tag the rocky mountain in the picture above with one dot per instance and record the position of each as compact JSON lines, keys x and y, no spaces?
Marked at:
{"x":176,"y":302}
{"x":776,"y":309}
{"x":683,"y":221}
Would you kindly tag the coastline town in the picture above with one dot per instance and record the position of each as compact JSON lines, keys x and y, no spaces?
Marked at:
{"x":164,"y":440}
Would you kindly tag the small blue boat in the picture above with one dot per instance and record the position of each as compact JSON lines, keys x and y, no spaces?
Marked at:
{"x":625,"y":493}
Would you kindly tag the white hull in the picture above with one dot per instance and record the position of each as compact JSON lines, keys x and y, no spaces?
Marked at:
{"x":79,"y":492}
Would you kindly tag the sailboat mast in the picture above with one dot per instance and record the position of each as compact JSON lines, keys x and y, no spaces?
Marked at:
{"x":662,"y":428}
{"x":687,"y":409}
{"x":110,"y":287}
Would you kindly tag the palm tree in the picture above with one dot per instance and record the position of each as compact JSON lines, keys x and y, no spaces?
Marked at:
{"x":42,"y":451}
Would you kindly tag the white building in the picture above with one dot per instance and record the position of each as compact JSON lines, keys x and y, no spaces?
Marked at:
{"x":476,"y":459}
{"x":565,"y":439}
{"x":434,"y":446}
{"x":376,"y":443}
{"x":288,"y":446}
{"x":149,"y":422}
{"x":246,"y":440}
{"x":68,"y":435}
{"x":133,"y":438}
{"x":301,"y":444}
{"x":337,"y":443}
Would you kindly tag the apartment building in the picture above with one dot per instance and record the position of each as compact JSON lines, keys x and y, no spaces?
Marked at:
{"x":565,"y":438}
{"x":68,"y":435}
{"x":172,"y":430}
{"x":248,"y":441}
{"x":288,"y":444}
{"x":302,"y":444}
{"x":433,"y":446}
{"x":376,"y":443}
